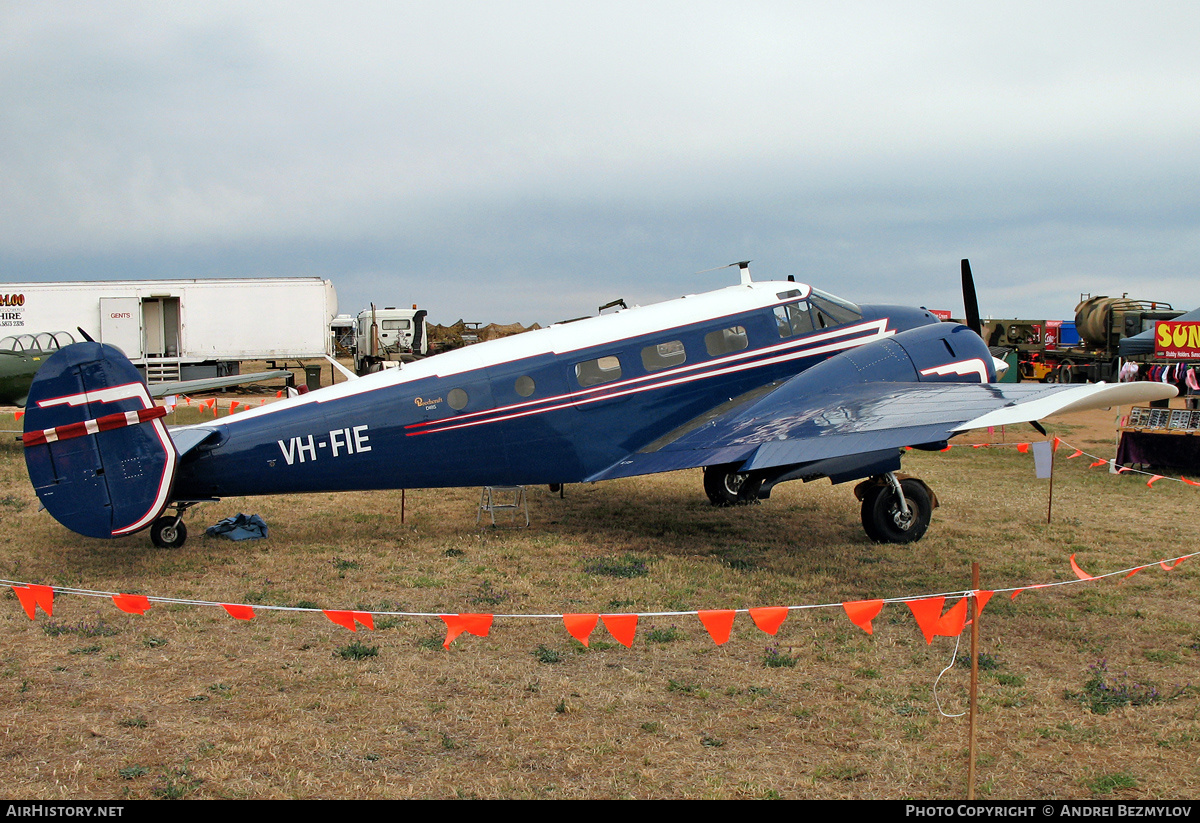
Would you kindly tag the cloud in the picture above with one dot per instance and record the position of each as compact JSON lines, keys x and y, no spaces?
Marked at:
{"x":517,"y":161}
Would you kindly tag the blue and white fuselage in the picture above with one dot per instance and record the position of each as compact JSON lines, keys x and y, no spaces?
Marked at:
{"x":550,"y":406}
{"x":758,"y":383}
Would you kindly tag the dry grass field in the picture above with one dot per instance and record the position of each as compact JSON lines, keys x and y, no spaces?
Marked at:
{"x":1086,"y":690}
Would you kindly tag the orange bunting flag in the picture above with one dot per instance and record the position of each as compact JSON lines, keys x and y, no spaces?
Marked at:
{"x":1080,"y":573}
{"x":1077,"y":453}
{"x":1165,"y":567}
{"x":862,"y":612}
{"x":18,"y":415}
{"x":349,"y":618}
{"x":32,"y":596}
{"x":132,"y":603}
{"x":1013,"y":596}
{"x":951,"y":623}
{"x":1023,"y":448}
{"x":580,"y":626}
{"x":476,"y":624}
{"x":1056,"y":444}
{"x":1099,"y":463}
{"x":927,"y":612}
{"x":948,"y":447}
{"x":1150,"y":482}
{"x":233,"y":404}
{"x":238,"y":612}
{"x":769,"y":618}
{"x":621,"y":626}
{"x":983,"y":597}
{"x":719,"y":623}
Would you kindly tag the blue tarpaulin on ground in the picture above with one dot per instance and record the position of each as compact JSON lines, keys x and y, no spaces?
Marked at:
{"x":239,"y":527}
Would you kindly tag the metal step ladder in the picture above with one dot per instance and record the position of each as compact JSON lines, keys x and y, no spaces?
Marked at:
{"x":162,"y":371}
{"x":496,"y":498}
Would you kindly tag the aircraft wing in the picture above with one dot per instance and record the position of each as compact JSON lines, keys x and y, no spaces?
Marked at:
{"x":790,"y":426}
{"x":206,"y":383}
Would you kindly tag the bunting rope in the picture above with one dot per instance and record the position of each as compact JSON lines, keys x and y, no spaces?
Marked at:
{"x":926,"y":609}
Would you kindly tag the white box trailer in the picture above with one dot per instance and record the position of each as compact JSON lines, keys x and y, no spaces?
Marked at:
{"x":182,"y":329}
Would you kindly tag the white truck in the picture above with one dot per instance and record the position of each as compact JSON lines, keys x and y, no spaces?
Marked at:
{"x":388,"y":336}
{"x":182,"y":329}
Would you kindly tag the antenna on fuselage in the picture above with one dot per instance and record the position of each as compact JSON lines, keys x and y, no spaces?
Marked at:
{"x":743,"y":266}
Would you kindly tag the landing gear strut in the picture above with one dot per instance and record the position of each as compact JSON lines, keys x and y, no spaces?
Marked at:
{"x":894,"y":509}
{"x":169,"y":531}
{"x":727,"y":487}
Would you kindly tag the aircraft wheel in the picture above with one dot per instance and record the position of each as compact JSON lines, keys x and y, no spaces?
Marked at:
{"x":168,"y":532}
{"x":726,"y":487}
{"x":884,"y":522}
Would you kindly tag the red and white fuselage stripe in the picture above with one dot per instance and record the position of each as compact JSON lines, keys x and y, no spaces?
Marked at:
{"x":99,"y":424}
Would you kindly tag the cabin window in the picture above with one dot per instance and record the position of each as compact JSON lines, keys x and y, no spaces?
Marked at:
{"x":457,"y":399}
{"x":393,"y":325}
{"x":524,"y":385}
{"x":600,"y":370}
{"x":793,"y":319}
{"x":663,"y":355}
{"x":726,"y":341}
{"x":832,"y":311}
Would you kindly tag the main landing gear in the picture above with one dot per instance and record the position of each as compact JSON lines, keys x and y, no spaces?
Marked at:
{"x":169,"y":531}
{"x":895,"y":509}
{"x":726,"y":487}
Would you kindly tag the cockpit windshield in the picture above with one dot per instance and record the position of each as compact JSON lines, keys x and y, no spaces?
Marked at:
{"x":833,"y":311}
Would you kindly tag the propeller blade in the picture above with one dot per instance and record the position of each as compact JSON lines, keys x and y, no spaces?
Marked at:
{"x":970,"y":303}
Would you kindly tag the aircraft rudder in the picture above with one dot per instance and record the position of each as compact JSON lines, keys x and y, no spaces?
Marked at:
{"x":98,"y":454}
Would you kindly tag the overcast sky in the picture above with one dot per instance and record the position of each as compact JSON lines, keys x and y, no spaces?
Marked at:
{"x":526,"y":161}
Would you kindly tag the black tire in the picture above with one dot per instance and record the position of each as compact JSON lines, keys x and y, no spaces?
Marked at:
{"x":881,"y":515}
{"x":726,"y":487}
{"x":168,"y":532}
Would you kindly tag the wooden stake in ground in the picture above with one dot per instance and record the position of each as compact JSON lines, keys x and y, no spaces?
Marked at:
{"x":974,"y":679}
{"x":1050,"y":495}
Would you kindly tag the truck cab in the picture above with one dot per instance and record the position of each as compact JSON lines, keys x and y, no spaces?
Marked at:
{"x":386,"y":337}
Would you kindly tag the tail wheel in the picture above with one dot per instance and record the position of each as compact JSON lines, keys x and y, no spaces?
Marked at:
{"x":726,"y":487}
{"x":168,"y":532}
{"x":885,"y":521}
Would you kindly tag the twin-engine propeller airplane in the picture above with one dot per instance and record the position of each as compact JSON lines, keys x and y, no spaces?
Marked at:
{"x":758,"y":383}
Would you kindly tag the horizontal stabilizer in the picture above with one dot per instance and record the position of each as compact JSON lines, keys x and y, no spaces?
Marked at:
{"x":209,"y":383}
{"x":97,"y":451}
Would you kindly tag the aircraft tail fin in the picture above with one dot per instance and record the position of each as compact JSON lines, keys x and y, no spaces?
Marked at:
{"x":98,"y":454}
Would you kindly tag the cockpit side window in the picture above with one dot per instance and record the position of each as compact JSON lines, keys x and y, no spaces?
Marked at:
{"x":793,"y":318}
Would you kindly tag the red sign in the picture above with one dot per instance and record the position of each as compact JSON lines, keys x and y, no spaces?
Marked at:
{"x":940,"y":314}
{"x":1050,"y":338}
{"x":1177,"y":341}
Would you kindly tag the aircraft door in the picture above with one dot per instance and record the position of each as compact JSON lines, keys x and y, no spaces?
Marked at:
{"x":465,"y":442}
